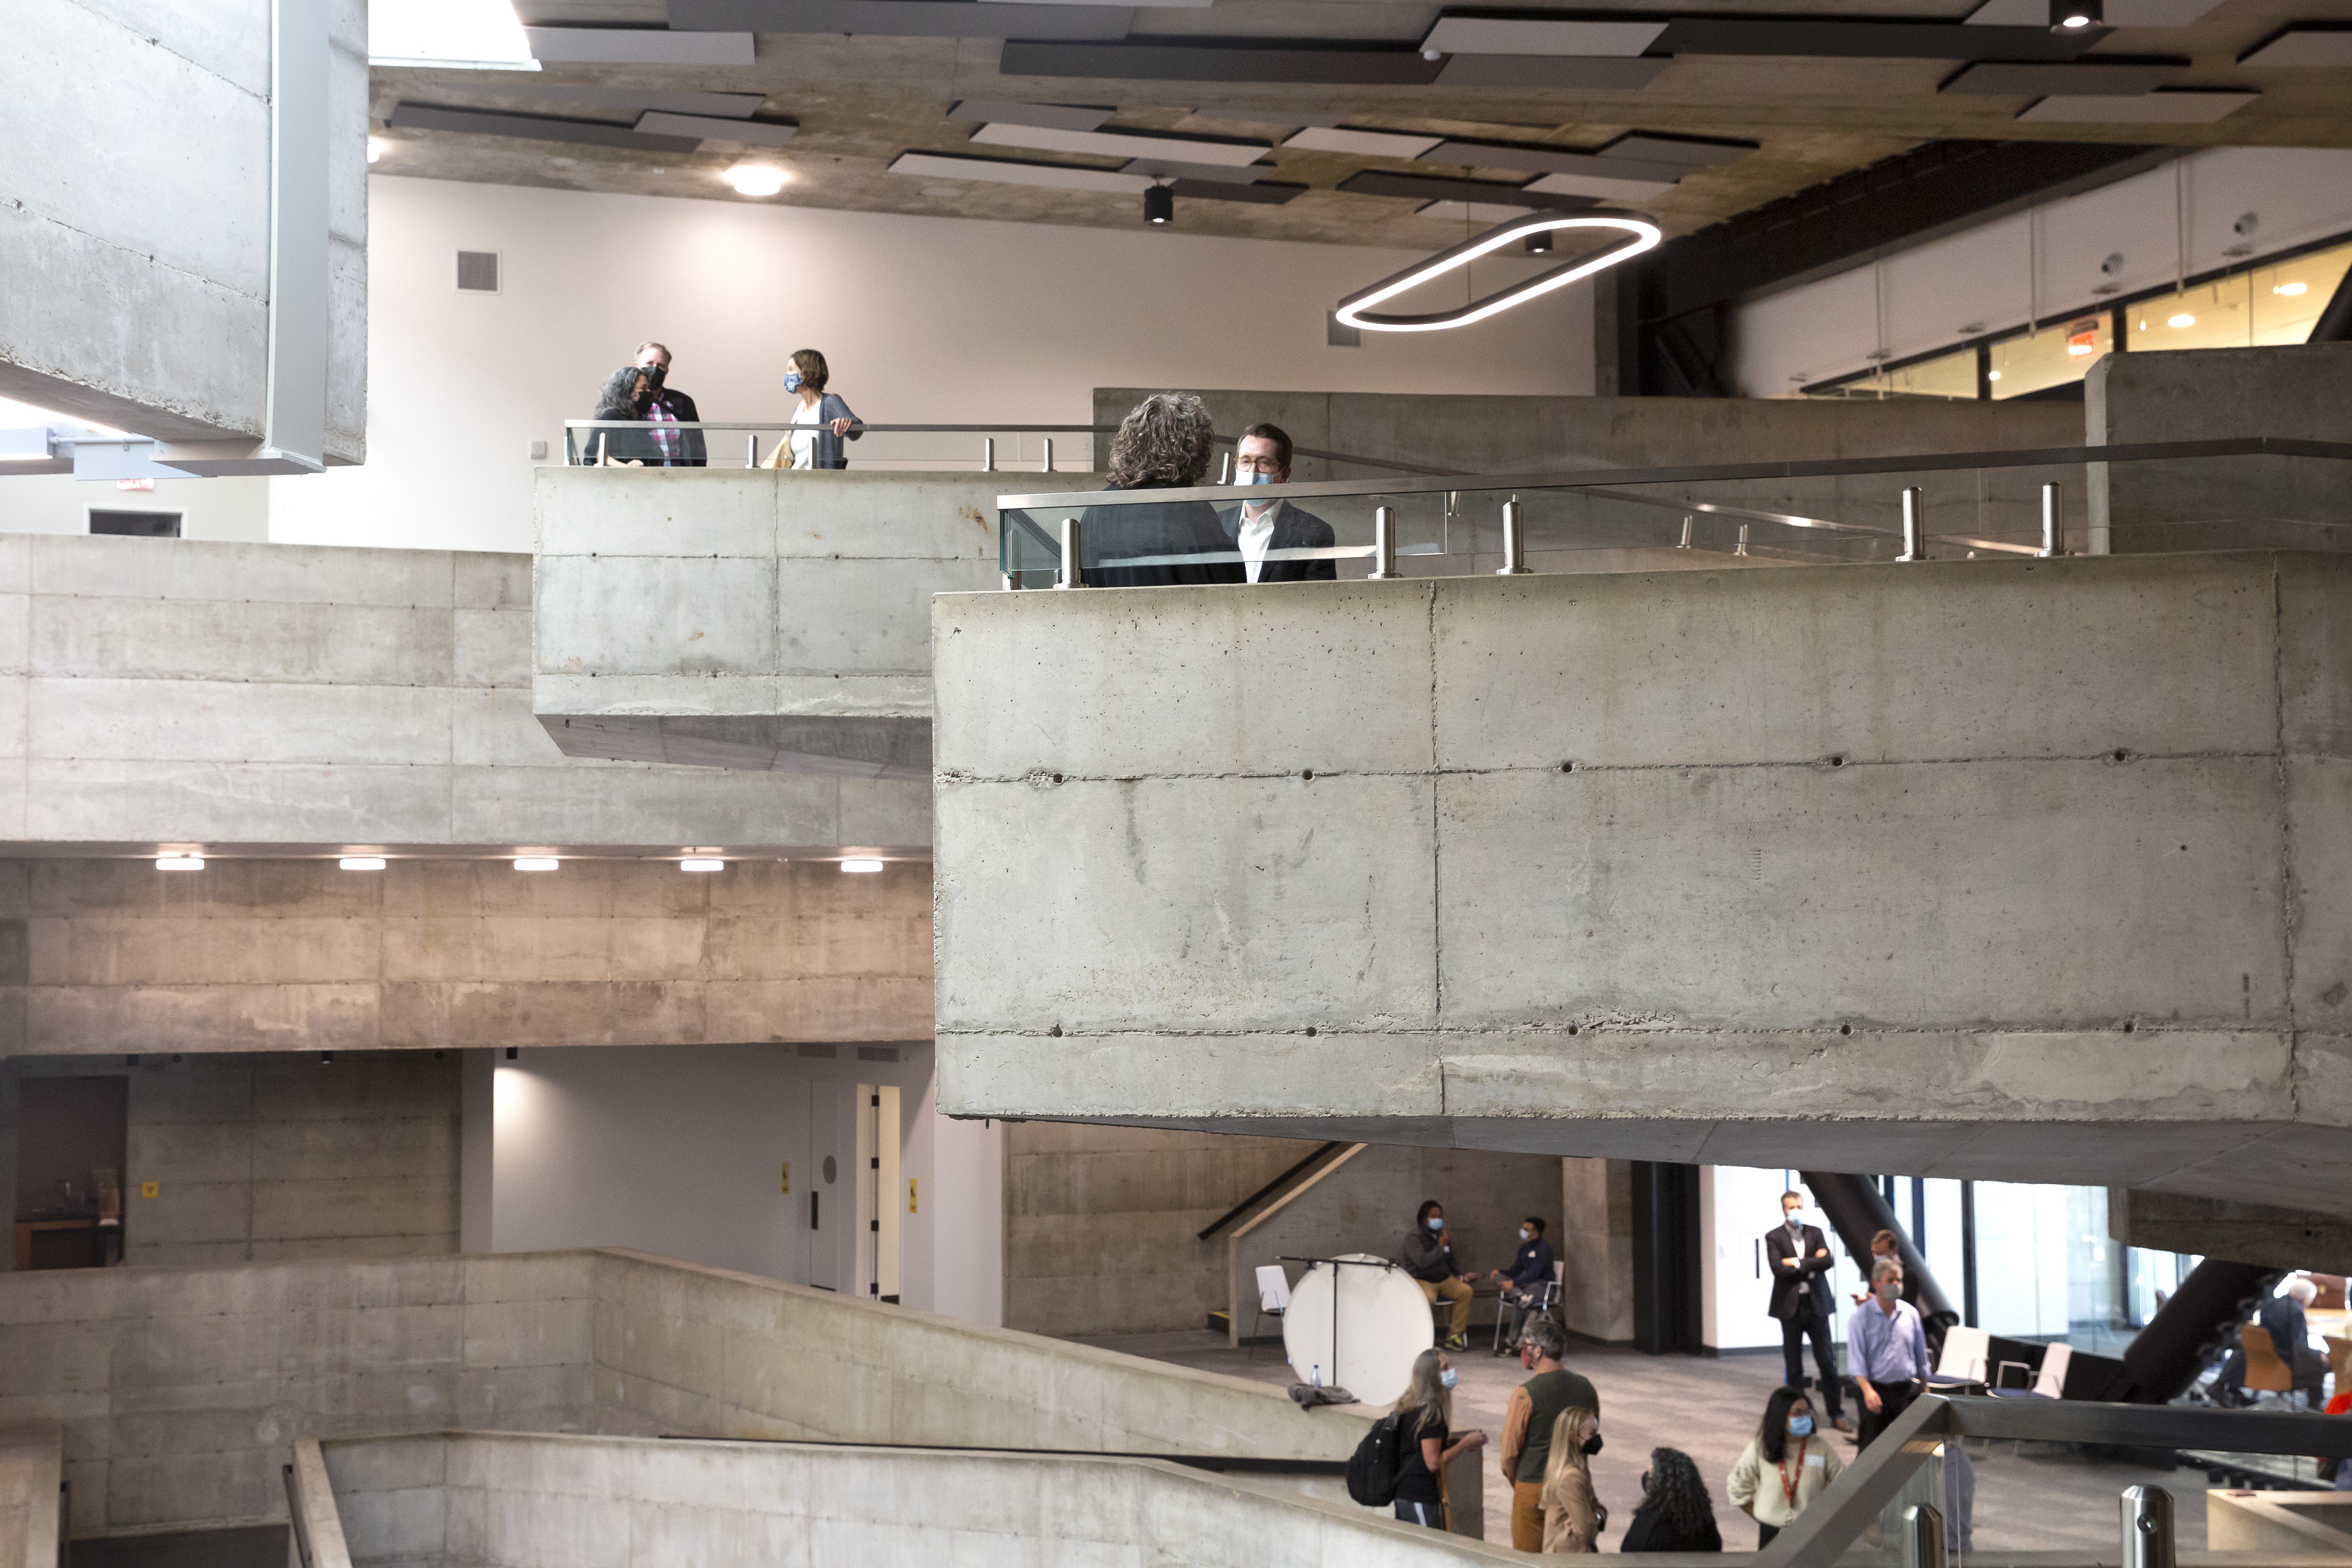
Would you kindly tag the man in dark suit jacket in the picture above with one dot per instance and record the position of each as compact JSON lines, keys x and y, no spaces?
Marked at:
{"x":1801,"y":1261}
{"x":1262,"y":456}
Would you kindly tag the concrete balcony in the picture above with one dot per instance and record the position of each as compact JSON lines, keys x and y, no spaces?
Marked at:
{"x":750,"y":618}
{"x":2032,"y":870}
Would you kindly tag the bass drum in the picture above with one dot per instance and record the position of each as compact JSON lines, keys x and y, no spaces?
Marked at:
{"x":1383,"y":1319}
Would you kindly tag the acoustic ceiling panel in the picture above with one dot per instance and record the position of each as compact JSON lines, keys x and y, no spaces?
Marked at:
{"x":1473,"y":211}
{"x":1602,"y":186}
{"x":726,"y":105}
{"x":1013,"y":171}
{"x":1685,"y":152}
{"x":2320,"y":44}
{"x":1455,"y":35}
{"x":1438,"y":188}
{"x":1883,"y":40}
{"x":1149,"y":60}
{"x":534,"y":127}
{"x":1362,"y":142}
{"x":744,"y":132}
{"x":1587,"y":73}
{"x":638,"y":47}
{"x":1056,"y":116}
{"x":1537,"y":158}
{"x":1230,"y":151}
{"x":1173,"y":169}
{"x":2174,"y":106}
{"x":2118,"y":13}
{"x":1271,"y":193}
{"x":905,"y":18}
{"x":2083,"y":78}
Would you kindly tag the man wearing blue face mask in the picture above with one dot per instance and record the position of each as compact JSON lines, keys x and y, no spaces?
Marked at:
{"x":1428,"y":1257}
{"x":1527,"y":1287}
{"x":1260,"y":530}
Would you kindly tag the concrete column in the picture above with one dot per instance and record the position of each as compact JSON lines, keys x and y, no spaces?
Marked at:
{"x":1596,"y":1243}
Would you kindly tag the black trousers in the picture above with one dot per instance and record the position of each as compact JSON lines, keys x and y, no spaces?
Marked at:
{"x":1894,"y":1399}
{"x":1794,"y":1332}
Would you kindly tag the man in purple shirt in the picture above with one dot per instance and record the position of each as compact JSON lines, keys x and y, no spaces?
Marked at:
{"x":1886,"y":1349}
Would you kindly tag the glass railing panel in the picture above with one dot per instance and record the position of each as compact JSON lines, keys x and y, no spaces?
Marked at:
{"x":954,"y":448}
{"x":2253,"y":502}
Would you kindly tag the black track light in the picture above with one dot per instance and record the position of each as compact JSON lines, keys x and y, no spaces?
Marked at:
{"x":1160,"y":204}
{"x":326,"y":1059}
{"x":1540,"y":244}
{"x":2073,"y":15}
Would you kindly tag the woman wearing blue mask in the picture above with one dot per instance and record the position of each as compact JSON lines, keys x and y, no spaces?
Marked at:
{"x":821,"y":420}
{"x":1425,"y":1442}
{"x":1784,"y":1467}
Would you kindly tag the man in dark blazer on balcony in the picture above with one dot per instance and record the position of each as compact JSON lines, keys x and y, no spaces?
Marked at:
{"x":1800,"y":1256}
{"x":1256,"y":528}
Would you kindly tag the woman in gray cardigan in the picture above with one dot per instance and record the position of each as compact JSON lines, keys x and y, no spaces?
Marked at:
{"x":821,"y":421}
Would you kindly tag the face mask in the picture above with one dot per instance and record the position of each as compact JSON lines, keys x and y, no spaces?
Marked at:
{"x":1593,"y":1444}
{"x":1448,"y":1378}
{"x":1888,"y":1289}
{"x":1795,"y":1217}
{"x":792,"y":381}
{"x":1526,"y":1234}
{"x":655,"y":375}
{"x":1436,"y":1223}
{"x":1253,"y":477}
{"x":1800,"y":1426}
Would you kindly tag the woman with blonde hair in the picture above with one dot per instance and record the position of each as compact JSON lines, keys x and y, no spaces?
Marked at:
{"x":1573,"y":1517}
{"x":1425,"y":1442}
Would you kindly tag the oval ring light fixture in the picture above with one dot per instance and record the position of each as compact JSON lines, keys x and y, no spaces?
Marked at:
{"x":1354,"y":311}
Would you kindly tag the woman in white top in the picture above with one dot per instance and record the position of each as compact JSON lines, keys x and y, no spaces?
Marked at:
{"x":820,"y":423}
{"x":1784,"y":1467}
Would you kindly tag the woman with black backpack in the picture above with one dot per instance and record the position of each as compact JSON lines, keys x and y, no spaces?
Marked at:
{"x":1425,"y":1442}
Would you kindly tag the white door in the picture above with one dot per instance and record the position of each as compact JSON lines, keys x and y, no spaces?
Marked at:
{"x":831,"y":1210}
{"x":879,"y":1198}
{"x":794,"y":1180}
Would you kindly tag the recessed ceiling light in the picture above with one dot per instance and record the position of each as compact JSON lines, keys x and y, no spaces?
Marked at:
{"x":756,"y":179}
{"x":362,"y":862}
{"x":700,"y":864}
{"x":2182,"y":320}
{"x":536,"y":863}
{"x":2073,"y":15}
{"x":861,"y":864}
{"x":1992,"y":375}
{"x":2290,"y":288}
{"x":375,"y":148}
{"x":179,"y":862}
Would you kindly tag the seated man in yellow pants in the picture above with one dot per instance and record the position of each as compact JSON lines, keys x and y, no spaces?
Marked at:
{"x":1428,"y":1257}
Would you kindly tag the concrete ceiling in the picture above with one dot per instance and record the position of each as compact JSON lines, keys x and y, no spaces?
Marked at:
{"x":861,"y":102}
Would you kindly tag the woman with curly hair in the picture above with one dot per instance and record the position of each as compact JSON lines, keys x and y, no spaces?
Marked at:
{"x":1162,"y":445}
{"x":1676,"y":1514}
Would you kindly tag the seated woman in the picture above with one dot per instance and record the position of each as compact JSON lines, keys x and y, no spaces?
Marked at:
{"x":1164,"y":444}
{"x":1676,"y":1514}
{"x":1573,"y":1517}
{"x":820,"y":423}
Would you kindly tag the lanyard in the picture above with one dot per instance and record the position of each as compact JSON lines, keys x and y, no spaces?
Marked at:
{"x":1788,"y":1487}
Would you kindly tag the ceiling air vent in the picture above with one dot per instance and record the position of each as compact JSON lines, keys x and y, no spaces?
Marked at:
{"x":478,"y":271}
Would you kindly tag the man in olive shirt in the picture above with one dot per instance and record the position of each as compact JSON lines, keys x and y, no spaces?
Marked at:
{"x":1528,"y":1422}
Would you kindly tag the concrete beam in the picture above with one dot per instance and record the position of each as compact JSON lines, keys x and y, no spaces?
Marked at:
{"x":750,"y":618}
{"x":1872,"y":867}
{"x":2220,"y":1227}
{"x":180,"y":691}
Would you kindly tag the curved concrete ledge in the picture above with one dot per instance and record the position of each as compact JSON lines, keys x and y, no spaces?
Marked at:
{"x":750,"y":618}
{"x":2027,"y":870}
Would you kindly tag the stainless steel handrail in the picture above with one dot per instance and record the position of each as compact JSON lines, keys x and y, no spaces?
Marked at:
{"x":864,"y":427}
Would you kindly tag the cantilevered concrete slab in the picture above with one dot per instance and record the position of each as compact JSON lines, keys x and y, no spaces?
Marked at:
{"x":750,"y":618}
{"x":2021,"y":870}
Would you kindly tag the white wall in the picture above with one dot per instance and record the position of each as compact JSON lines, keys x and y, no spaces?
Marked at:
{"x":1737,"y":1205}
{"x":678,"y":1150}
{"x":2042,"y":265}
{"x":60,"y":503}
{"x":923,"y":319}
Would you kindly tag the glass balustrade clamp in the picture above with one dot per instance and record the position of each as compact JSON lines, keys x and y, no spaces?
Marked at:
{"x":2147,"y":1539}
{"x":1915,"y":525}
{"x":1070,"y":572}
{"x":1514,"y":543}
{"x":1383,"y":544}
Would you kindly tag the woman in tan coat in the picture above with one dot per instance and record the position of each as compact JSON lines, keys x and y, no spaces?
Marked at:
{"x":1573,"y":1517}
{"x":1784,"y":1467}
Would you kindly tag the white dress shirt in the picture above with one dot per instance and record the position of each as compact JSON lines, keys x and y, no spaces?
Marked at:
{"x":1257,"y":536}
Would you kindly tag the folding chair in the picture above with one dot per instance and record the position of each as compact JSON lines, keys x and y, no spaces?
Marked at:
{"x":1273,"y":1300}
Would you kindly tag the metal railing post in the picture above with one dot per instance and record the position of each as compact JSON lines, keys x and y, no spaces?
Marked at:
{"x":2146,"y":1527}
{"x":1923,"y":1537}
{"x":1225,"y":468}
{"x":1915,"y":525}
{"x":1049,"y":454}
{"x":987,"y":454}
{"x":1383,"y":544}
{"x":1071,"y":576}
{"x":1688,"y":520}
{"x":1741,"y":547}
{"x":2054,"y":523}
{"x":600,"y":436}
{"x":1515,"y":545}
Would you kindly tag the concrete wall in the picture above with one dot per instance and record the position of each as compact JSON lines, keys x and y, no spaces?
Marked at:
{"x":1487,"y":434}
{"x":138,"y":237}
{"x":182,"y":1390}
{"x":181,"y":692}
{"x":1595,"y":1239}
{"x":1923,"y":849}
{"x":265,"y":954}
{"x":1102,"y":1223}
{"x":32,"y":1468}
{"x":542,"y":1501}
{"x":761,"y":619}
{"x":268,"y":1156}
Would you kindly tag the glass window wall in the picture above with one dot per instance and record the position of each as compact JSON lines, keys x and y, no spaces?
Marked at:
{"x":2061,"y":352}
